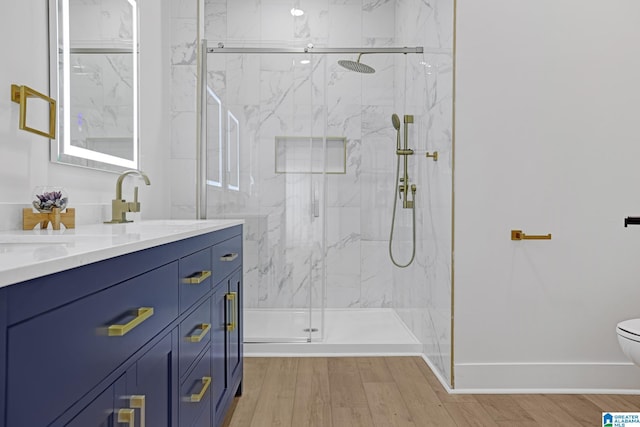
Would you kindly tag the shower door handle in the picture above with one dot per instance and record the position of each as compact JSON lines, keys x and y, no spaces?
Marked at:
{"x":316,"y":204}
{"x":316,"y":207}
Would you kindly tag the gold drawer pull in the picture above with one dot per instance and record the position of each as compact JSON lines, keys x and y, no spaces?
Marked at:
{"x":197,"y":278}
{"x":229,"y":257}
{"x":205,"y":327}
{"x":231,"y":296}
{"x":139,"y":402}
{"x":206,"y":382}
{"x":142,"y":314}
{"x":127,"y":416}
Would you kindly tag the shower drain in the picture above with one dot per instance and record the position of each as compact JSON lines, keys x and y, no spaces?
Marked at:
{"x":310,"y":329}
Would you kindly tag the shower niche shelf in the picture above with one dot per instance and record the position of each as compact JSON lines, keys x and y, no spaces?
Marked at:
{"x":303,"y":154}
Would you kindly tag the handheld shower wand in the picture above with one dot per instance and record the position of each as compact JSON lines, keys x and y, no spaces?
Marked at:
{"x":403,"y":186}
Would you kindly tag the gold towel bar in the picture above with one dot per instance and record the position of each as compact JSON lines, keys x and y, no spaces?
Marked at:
{"x":20,"y":94}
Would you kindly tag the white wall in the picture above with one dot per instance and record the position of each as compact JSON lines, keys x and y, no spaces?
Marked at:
{"x":547,"y":141}
{"x":24,"y":159}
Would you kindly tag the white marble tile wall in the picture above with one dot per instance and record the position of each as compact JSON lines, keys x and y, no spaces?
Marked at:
{"x":184,"y":25}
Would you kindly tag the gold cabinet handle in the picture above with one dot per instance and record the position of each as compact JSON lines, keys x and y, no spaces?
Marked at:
{"x":433,"y":156}
{"x":229,"y":257}
{"x":205,"y":328}
{"x":206,"y":382}
{"x":519,"y":235}
{"x":231,"y":296}
{"x":139,"y":402}
{"x":197,"y":278}
{"x":127,"y":416}
{"x":142,"y":314}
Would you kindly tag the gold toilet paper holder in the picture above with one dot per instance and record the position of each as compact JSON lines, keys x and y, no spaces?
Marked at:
{"x":519,"y":235}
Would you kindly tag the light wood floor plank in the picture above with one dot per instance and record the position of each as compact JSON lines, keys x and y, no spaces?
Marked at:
{"x":471,"y":414}
{"x":612,"y":403}
{"x":398,"y":391}
{"x":349,"y":406}
{"x":346,"y":384}
{"x":634,"y":399}
{"x":545,"y":411}
{"x":351,"y":417}
{"x":254,"y":373}
{"x":386,"y":405}
{"x":423,"y":403}
{"x":374,"y":370}
{"x":503,"y":408}
{"x":312,"y":404}
{"x":275,"y":406}
{"x":581,"y":409}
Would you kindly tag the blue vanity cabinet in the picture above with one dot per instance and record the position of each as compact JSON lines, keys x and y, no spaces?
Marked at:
{"x":145,"y":334}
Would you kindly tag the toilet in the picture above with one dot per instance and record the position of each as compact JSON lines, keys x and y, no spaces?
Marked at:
{"x":629,"y":338}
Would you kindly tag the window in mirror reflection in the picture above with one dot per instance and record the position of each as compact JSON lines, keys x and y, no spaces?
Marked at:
{"x":97,"y":82}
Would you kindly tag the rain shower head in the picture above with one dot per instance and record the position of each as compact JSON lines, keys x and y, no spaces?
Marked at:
{"x":356,"y":66}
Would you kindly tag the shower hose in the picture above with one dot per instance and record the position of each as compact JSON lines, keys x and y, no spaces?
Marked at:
{"x":393,"y":220}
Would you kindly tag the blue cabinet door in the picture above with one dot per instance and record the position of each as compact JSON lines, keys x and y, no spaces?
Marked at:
{"x":218,"y":343}
{"x":234,"y":314}
{"x":155,"y":378}
{"x":103,"y":410}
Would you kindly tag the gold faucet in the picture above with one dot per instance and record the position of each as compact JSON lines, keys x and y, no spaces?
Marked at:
{"x":119,"y":206}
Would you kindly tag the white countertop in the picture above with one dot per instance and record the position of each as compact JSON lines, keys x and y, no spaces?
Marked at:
{"x":29,"y":254}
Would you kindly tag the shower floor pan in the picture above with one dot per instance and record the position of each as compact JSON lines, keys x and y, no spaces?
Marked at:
{"x":349,"y":332}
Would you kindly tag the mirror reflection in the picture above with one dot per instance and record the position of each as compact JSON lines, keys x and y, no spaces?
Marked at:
{"x":95,"y":80}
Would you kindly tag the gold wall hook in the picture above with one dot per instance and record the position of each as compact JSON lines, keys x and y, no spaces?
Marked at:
{"x":519,"y":235}
{"x":433,"y":156}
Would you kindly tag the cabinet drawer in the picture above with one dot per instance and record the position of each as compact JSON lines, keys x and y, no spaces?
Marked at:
{"x":195,"y":392}
{"x":195,"y":335}
{"x":195,"y":278}
{"x":53,"y":359}
{"x":205,"y":417}
{"x":226,"y":257}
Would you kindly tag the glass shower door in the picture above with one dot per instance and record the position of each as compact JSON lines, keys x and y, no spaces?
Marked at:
{"x":265,"y":149}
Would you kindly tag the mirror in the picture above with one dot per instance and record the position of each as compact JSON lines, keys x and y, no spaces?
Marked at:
{"x":94,"y":78}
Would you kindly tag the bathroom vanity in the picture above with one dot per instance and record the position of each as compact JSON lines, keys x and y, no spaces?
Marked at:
{"x":127,"y":324}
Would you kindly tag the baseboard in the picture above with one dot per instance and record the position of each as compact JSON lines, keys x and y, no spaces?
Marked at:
{"x":513,"y":378}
